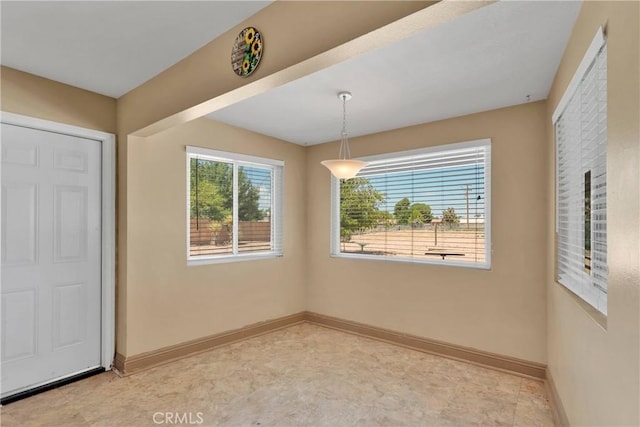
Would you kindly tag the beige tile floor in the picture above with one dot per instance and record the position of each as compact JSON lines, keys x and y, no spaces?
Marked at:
{"x":304,"y":375}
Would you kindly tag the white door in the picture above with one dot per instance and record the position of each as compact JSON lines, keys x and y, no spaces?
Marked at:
{"x":51,"y":257}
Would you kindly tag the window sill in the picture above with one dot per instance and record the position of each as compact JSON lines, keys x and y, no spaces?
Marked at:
{"x":195,"y":261}
{"x":440,"y":263}
{"x":592,"y":312}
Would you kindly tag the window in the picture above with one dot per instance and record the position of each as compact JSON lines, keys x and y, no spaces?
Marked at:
{"x":581,"y":179}
{"x":234,"y":206}
{"x":429,"y":206}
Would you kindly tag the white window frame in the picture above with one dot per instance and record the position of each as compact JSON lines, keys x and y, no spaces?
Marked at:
{"x":277,"y":189}
{"x":335,"y":208}
{"x":597,"y":300}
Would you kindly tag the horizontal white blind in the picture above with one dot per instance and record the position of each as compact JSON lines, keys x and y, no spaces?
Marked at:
{"x":277,"y":210}
{"x":581,"y":194}
{"x":423,"y":206}
{"x":255,"y":203}
{"x":234,"y":204}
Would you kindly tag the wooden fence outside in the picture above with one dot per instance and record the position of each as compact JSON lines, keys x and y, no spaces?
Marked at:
{"x":248,"y":231}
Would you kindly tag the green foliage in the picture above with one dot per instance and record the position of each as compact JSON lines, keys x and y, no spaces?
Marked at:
{"x":385,"y":219}
{"x":207,"y":202}
{"x":420,"y":214}
{"x":415,"y":214}
{"x":345,"y":234}
{"x":402,"y":212}
{"x":212,"y":192}
{"x":359,"y":207}
{"x":450,"y":218}
{"x":226,"y":222}
{"x":222,"y":230}
{"x":416,"y":219}
{"x":248,"y":198}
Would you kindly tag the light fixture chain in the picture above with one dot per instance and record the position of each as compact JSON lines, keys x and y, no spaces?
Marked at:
{"x":344,"y":115}
{"x":345,"y":152}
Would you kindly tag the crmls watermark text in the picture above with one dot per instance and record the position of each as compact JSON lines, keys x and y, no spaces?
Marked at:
{"x":178,"y":418}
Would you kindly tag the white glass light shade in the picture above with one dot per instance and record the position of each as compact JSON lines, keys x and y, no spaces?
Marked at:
{"x":344,"y":168}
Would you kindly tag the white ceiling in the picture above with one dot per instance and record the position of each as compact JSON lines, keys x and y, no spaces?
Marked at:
{"x":111,"y":47}
{"x":490,"y":58}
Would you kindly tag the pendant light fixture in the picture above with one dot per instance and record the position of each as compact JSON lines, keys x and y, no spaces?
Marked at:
{"x":344,"y":167}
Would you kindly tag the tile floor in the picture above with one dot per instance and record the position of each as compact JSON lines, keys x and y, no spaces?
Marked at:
{"x":304,"y":375}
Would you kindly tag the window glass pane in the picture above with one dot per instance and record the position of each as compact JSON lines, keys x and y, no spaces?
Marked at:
{"x":211,"y":206}
{"x":428,"y":207}
{"x":235,"y":206}
{"x":581,"y":192}
{"x":254,"y":209}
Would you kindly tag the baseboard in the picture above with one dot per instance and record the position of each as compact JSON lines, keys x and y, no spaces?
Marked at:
{"x":139,"y":362}
{"x":452,"y":351}
{"x":118,"y":364}
{"x":559,"y":414}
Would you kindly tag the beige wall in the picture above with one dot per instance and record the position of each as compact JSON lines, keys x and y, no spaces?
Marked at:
{"x":500,"y":311}
{"x":597,"y":370}
{"x":167,"y":301}
{"x":34,"y":96}
{"x":294,"y":31}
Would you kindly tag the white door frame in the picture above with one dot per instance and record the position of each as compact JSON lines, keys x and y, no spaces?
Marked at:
{"x":108,"y":291}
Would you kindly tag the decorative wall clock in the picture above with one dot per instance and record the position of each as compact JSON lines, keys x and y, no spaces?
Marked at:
{"x":247,"y":51}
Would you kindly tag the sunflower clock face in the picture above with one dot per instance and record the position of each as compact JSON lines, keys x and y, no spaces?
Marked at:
{"x":247,"y":51}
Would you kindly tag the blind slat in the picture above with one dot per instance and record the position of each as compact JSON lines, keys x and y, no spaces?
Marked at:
{"x":424,"y":207}
{"x":581,"y":186}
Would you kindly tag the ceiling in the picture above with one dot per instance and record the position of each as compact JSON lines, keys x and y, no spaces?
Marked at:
{"x":111,"y":47}
{"x":500,"y":55}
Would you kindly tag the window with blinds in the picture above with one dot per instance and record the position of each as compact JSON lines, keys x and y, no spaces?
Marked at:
{"x":429,"y":206}
{"x":581,"y":179}
{"x":234,"y":206}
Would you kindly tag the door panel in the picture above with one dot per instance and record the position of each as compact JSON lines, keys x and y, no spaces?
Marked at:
{"x":19,"y":223}
{"x":19,"y":318}
{"x":51,"y":256}
{"x":24,"y":155}
{"x":69,"y":314}
{"x":70,"y":224}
